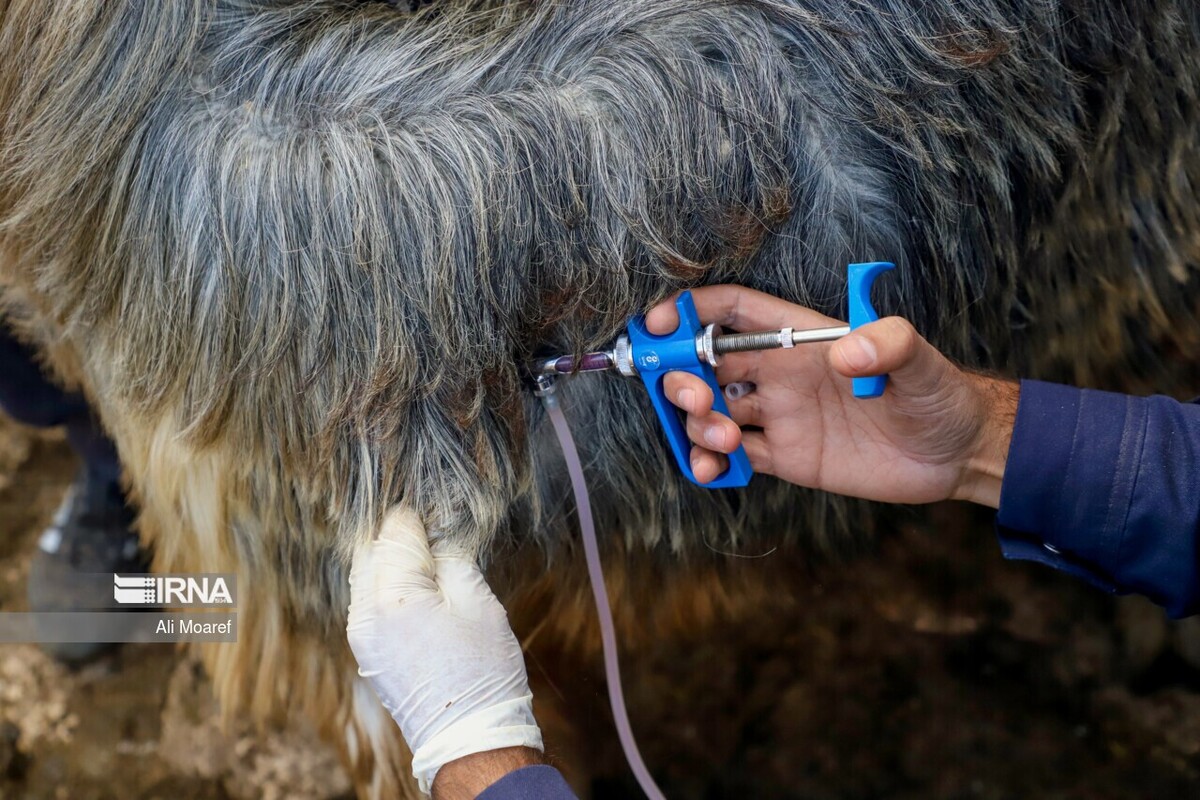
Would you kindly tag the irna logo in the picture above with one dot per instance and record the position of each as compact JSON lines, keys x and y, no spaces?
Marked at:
{"x":173,"y":590}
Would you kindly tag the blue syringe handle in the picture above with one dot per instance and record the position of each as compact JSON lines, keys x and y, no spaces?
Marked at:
{"x":859,"y":279}
{"x":655,"y":356}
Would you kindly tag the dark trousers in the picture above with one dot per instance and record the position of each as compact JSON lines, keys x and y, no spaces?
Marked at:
{"x":28,"y":397}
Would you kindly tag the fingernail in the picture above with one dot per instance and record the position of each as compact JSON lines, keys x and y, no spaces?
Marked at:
{"x":685,"y":398}
{"x":715,"y":435}
{"x":858,"y":352}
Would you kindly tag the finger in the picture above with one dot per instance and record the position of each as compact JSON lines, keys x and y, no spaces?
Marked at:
{"x":739,"y":367}
{"x":399,"y":562}
{"x":403,"y":538}
{"x":892,"y":346}
{"x":759,"y":452}
{"x":735,"y":368}
{"x":463,"y":586}
{"x":688,"y":392}
{"x":707,"y":465}
{"x":714,"y":432}
{"x":746,"y":410}
{"x":738,"y":308}
{"x":692,"y":394}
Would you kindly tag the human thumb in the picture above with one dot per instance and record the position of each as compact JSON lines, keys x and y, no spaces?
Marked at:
{"x":395,"y":566}
{"x":890,"y":346}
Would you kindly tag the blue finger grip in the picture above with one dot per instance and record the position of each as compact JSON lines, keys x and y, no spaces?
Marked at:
{"x":655,"y":356}
{"x":859,"y":279}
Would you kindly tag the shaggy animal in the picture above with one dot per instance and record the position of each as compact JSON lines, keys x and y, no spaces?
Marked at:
{"x":297,"y":250}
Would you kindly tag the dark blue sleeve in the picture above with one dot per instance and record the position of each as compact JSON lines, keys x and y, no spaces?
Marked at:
{"x":1106,"y":487}
{"x":538,"y":782}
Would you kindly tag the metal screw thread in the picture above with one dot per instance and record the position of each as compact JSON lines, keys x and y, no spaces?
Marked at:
{"x":741,"y":342}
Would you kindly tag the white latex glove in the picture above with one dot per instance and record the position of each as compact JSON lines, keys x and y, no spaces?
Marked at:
{"x":435,"y":644}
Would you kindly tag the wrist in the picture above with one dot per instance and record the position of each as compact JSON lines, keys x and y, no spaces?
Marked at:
{"x":983,"y":471}
{"x":468,"y":776}
{"x":506,"y":725}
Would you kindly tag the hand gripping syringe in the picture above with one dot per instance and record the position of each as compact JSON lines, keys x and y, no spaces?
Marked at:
{"x":695,"y":348}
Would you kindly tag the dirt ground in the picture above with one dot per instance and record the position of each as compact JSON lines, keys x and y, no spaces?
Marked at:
{"x":139,"y":723}
{"x":933,"y":669}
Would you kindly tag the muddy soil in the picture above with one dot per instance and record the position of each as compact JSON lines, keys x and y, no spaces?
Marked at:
{"x":138,"y":723}
{"x":931,"y":669}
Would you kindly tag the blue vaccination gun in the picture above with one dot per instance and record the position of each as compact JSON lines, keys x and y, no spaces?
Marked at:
{"x":695,"y":348}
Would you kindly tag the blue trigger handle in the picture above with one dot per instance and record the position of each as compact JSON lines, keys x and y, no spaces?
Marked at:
{"x":655,"y":356}
{"x":859,"y":279}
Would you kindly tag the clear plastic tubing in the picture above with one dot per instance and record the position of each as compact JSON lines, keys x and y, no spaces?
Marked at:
{"x":608,"y":633}
{"x":736,"y":391}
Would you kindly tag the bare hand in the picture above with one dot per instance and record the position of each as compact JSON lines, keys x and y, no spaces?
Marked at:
{"x":937,"y":433}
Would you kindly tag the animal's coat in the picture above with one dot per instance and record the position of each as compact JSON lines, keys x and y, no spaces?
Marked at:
{"x":297,"y":251}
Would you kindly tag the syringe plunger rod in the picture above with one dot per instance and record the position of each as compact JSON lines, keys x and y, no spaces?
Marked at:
{"x":771,"y":340}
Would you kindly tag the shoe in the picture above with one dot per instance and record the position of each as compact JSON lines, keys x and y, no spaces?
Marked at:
{"x":92,"y":532}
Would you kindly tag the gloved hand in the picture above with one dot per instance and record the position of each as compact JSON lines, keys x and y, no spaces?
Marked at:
{"x":435,"y":643}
